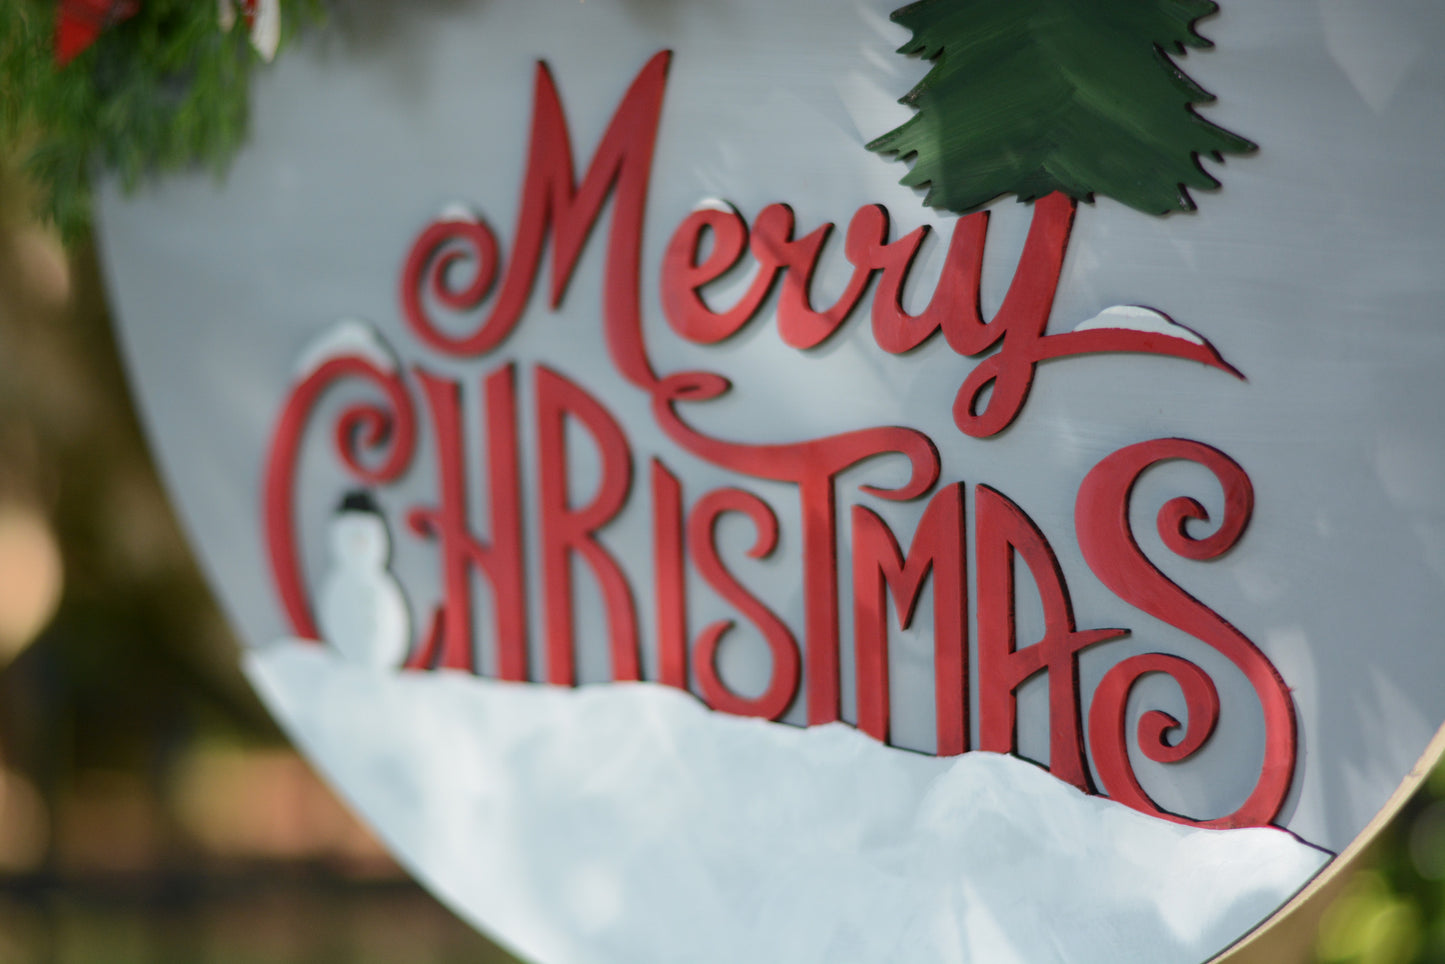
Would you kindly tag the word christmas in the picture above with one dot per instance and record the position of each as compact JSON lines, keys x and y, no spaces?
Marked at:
{"x":455,"y":263}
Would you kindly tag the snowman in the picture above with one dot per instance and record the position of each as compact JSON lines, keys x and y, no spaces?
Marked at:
{"x":362,"y":611}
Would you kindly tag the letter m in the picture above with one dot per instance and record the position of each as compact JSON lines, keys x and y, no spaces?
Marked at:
{"x":880,"y":567}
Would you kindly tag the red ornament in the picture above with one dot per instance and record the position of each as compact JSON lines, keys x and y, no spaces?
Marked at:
{"x":79,"y":22}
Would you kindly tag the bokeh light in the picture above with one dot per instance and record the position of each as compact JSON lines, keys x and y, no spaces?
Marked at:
{"x":31,"y":577}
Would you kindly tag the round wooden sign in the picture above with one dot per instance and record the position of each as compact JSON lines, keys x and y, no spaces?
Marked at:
{"x":815,"y":482}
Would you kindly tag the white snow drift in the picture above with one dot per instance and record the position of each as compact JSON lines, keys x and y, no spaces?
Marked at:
{"x":628,"y":824}
{"x":1139,"y":318}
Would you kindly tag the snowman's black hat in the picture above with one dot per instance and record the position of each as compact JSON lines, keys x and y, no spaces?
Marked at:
{"x":358,"y":500}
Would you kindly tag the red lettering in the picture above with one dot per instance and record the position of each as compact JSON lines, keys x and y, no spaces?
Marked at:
{"x":798,"y":323}
{"x":776,"y":252}
{"x":1020,"y":322}
{"x":814,"y":466}
{"x":454,"y":266}
{"x":1018,"y":329}
{"x":567,"y":532}
{"x":783,"y":683}
{"x":451,"y":645}
{"x":551,"y":200}
{"x":1107,"y":541}
{"x":894,"y":329}
{"x":878,"y":563}
{"x":669,"y":572}
{"x":1002,"y":530}
{"x":391,"y":428}
{"x":954,"y":308}
{"x":1108,"y":716}
{"x":683,"y":278}
{"x":435,"y":259}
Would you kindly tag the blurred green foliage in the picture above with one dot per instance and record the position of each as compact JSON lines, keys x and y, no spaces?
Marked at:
{"x":162,"y":90}
{"x":1392,"y":911}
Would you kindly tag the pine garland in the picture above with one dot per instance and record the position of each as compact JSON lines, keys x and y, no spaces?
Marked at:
{"x":161,"y":91}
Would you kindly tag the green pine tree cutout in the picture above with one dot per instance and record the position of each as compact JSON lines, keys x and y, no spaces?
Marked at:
{"x":1080,"y":97}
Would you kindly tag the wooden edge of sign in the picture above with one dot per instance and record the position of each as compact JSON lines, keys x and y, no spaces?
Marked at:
{"x":1288,"y":935}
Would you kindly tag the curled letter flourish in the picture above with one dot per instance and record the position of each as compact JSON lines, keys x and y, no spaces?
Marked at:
{"x":1109,"y":547}
{"x":386,"y":429}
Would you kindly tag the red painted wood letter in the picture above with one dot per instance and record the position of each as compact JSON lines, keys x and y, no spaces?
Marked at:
{"x":1001,"y":530}
{"x":500,"y":560}
{"x":670,"y":575}
{"x":390,"y":428}
{"x":879,"y":564}
{"x":1107,"y":541}
{"x":569,"y":531}
{"x":783,"y":684}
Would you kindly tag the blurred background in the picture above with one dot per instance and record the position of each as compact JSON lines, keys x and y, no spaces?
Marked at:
{"x":149,"y":809}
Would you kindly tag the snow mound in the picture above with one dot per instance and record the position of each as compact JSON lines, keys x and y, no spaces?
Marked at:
{"x":347,"y":337}
{"x":628,"y":824}
{"x":458,"y":212}
{"x":1139,"y":318}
